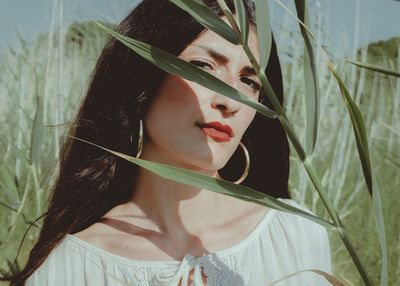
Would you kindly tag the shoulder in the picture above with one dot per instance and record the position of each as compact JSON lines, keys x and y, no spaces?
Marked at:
{"x":93,"y":235}
{"x":298,"y":230}
{"x":56,"y":267}
{"x":298,"y":219}
{"x":308,"y":235}
{"x":74,"y":262}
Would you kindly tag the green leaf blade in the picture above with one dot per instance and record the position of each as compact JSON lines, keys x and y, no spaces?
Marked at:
{"x":375,"y":68}
{"x":200,"y":180}
{"x":243,"y":21}
{"x":208,"y":19}
{"x":174,"y":65}
{"x":363,"y":151}
{"x":264,"y":32}
{"x":312,"y":91}
{"x":359,"y":129}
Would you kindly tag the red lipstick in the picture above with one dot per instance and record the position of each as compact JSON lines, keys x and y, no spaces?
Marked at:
{"x":218,"y":131}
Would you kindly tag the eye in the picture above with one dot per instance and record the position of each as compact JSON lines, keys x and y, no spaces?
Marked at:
{"x":201,"y":64}
{"x":253,"y":84}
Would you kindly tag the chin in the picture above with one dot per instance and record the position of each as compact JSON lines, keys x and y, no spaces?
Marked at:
{"x":215,"y":166}
{"x":210,"y":160}
{"x":206,"y":165}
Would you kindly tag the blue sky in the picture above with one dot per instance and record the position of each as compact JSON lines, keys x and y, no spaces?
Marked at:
{"x":349,"y":23}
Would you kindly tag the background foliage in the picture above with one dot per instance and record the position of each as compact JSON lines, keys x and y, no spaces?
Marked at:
{"x":42,"y":83}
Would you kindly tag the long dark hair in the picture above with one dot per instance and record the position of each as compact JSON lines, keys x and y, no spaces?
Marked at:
{"x":91,"y":181}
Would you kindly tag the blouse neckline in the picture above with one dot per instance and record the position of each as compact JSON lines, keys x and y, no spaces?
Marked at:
{"x":220,"y":253}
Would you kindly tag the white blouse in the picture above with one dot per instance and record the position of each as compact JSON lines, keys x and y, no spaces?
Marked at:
{"x":281,"y":244}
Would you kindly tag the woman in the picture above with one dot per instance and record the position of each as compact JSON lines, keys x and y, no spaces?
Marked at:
{"x":110,"y":222}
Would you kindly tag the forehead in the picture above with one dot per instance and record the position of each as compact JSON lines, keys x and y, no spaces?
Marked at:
{"x":212,"y":40}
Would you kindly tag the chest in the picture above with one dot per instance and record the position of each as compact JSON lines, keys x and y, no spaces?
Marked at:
{"x":154,"y":246}
{"x":140,"y":243}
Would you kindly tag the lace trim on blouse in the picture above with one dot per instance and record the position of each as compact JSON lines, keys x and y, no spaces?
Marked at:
{"x":218,"y":266}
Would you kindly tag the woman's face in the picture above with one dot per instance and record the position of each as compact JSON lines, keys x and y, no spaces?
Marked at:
{"x":174,"y":120}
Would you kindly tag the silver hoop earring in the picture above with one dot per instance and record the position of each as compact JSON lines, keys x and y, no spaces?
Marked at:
{"x":247,"y":167}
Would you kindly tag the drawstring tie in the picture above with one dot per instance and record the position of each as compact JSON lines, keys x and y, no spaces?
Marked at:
{"x":189,"y":263}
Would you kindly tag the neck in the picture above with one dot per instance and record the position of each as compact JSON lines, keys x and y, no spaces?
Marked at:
{"x":176,"y":209}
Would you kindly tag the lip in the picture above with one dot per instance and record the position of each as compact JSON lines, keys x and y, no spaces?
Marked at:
{"x":218,"y":131}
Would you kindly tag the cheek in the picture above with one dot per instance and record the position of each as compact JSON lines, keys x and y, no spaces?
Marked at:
{"x":172,"y":97}
{"x":248,"y":115}
{"x":174,"y":106}
{"x":246,"y":119}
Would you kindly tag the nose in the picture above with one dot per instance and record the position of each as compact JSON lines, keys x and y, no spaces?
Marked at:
{"x":224,"y":103}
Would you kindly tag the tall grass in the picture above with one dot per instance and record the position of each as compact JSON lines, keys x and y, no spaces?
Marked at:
{"x":35,"y":83}
{"x":339,"y":166}
{"x":32,"y":86}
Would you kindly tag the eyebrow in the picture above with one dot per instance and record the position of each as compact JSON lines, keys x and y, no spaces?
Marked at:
{"x":221,"y":58}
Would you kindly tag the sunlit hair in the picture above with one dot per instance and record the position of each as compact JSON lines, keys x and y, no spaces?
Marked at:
{"x":91,"y":181}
